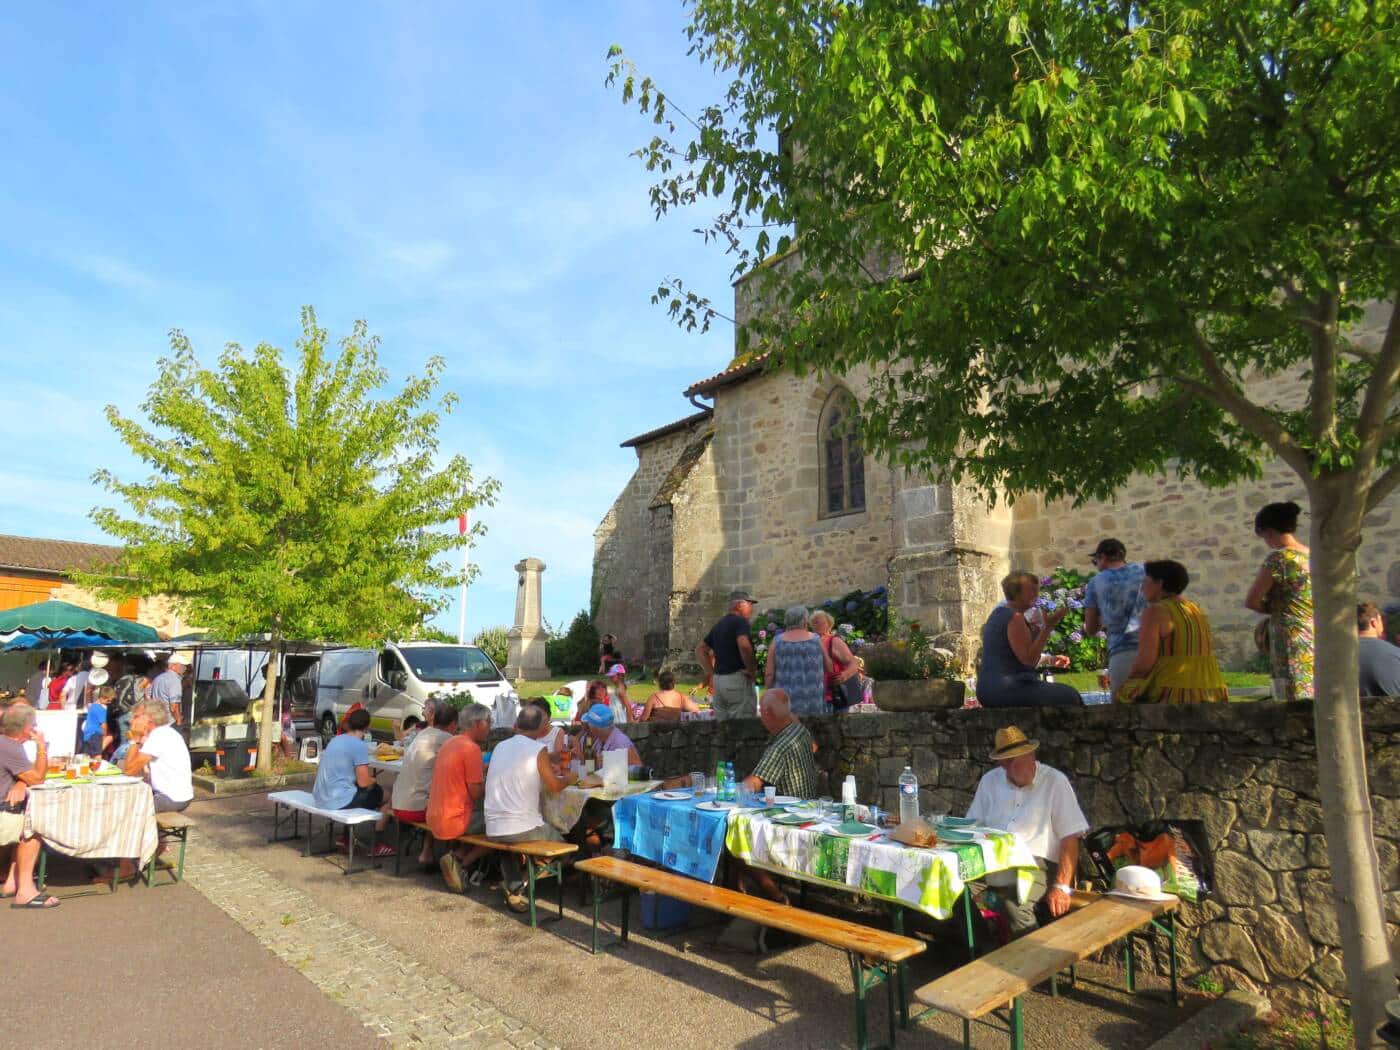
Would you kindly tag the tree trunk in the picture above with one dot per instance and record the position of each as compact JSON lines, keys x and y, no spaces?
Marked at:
{"x":1341,"y":755}
{"x":269,"y":705}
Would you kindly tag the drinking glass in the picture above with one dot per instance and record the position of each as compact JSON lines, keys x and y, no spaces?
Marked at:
{"x":770,"y":794}
{"x":711,"y":786}
{"x":697,"y":783}
{"x":827,"y":806}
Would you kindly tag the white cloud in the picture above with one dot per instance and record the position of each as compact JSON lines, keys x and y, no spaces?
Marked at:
{"x":422,"y":257}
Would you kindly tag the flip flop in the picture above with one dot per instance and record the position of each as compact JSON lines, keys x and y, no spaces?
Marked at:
{"x":383,"y":849}
{"x":40,"y":902}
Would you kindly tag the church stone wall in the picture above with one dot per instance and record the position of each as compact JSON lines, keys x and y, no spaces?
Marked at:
{"x":632,"y":554}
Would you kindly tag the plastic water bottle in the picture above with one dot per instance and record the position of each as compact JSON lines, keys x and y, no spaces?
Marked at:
{"x":731,"y":784}
{"x":908,"y":796}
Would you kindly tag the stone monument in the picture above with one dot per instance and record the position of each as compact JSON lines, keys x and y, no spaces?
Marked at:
{"x":527,"y":637}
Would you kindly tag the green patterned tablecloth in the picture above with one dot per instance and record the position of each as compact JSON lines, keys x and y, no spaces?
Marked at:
{"x":930,"y":880}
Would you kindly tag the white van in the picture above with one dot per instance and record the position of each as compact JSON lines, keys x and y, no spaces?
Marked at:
{"x":393,"y":682}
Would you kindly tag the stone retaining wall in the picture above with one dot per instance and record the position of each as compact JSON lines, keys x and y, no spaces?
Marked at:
{"x":1247,"y":771}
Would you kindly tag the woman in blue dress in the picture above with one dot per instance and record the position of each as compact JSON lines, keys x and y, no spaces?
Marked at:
{"x":797,"y":663}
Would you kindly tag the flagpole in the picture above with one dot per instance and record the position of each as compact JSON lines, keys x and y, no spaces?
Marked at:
{"x":462,"y":598}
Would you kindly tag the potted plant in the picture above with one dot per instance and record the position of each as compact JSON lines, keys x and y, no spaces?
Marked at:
{"x":913,"y":674}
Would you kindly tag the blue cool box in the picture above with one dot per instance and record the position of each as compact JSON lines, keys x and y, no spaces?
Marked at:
{"x":663,"y":913}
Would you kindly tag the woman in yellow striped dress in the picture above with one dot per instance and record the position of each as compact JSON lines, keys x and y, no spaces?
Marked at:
{"x":1175,"y":661}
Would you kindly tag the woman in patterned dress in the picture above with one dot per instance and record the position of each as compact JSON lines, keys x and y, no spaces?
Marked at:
{"x":1283,"y":590}
{"x":797,"y":663}
{"x":1175,"y":660}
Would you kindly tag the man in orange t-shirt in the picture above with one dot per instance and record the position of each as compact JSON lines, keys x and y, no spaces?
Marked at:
{"x":454,"y":799}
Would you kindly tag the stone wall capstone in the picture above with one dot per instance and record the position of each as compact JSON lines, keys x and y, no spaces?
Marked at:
{"x":1246,"y":771}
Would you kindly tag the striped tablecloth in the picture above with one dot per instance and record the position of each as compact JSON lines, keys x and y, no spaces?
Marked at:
{"x":98,"y":821}
{"x":563,"y":810}
{"x":929,"y":880}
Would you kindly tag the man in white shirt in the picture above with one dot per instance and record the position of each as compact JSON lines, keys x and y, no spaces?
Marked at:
{"x":1037,"y":804}
{"x":160,"y":754}
{"x":519,"y":767}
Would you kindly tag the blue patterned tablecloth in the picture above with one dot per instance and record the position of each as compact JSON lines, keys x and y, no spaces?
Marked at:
{"x":674,"y":834}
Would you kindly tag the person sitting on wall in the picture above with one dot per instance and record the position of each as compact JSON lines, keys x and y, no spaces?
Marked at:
{"x":668,"y":702}
{"x":1011,"y":651}
{"x":1380,"y":661}
{"x":1037,"y":804}
{"x":1175,"y":661}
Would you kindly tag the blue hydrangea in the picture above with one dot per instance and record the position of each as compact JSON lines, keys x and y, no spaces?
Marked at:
{"x":850,"y":606}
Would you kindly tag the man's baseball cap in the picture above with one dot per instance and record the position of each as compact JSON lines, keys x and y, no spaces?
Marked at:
{"x":741,"y":595}
{"x":1110,"y":548}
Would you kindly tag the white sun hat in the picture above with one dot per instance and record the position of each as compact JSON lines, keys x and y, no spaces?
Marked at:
{"x":1139,"y":884}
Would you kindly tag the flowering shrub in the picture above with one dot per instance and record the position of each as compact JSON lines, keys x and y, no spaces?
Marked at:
{"x":907,"y":654}
{"x":862,"y":617}
{"x":1066,"y":587}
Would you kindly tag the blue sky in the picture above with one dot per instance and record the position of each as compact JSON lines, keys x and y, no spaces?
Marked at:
{"x":455,"y":174}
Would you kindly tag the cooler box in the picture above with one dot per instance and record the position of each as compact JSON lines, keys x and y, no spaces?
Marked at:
{"x":663,"y":913}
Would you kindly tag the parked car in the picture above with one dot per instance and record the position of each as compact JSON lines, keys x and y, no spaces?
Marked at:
{"x":393,"y":682}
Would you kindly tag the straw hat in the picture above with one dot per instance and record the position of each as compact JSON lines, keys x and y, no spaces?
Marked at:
{"x":1011,"y":742}
{"x":99,"y":660}
{"x":1137,"y":883}
{"x":97,"y":677}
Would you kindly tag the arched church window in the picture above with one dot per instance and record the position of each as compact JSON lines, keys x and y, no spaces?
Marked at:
{"x":842,"y":456}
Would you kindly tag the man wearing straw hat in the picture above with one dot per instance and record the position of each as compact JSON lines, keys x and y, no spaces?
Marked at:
{"x":1037,"y":804}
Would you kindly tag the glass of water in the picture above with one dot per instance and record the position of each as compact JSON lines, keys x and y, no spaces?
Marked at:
{"x":828,"y":807}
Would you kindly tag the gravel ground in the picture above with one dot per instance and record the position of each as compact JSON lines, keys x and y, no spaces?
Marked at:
{"x":674,"y":991}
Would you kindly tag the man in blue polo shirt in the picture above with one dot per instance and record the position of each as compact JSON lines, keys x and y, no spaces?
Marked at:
{"x":1113,"y":603}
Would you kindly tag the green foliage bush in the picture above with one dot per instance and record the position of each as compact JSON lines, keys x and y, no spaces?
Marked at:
{"x":576,"y":652}
{"x":494,"y":642}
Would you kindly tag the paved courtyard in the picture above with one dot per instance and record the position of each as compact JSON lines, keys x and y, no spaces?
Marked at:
{"x":263,"y":947}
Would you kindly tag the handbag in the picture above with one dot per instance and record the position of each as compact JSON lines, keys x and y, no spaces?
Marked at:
{"x":848,"y":693}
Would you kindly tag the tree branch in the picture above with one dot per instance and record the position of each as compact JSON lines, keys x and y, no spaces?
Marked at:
{"x":1380,"y":391}
{"x":1323,"y":402}
{"x":1382,"y":487}
{"x":1225,"y":393}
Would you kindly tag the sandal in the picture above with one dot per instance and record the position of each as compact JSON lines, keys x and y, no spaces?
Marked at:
{"x":44,"y":900}
{"x":383,"y":849}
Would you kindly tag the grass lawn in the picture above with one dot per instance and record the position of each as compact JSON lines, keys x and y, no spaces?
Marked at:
{"x":637,"y":692}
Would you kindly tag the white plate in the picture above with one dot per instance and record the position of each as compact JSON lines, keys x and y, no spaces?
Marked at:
{"x":717,"y":807}
{"x":786,"y":800}
{"x":119,"y":778}
{"x":673,"y":796}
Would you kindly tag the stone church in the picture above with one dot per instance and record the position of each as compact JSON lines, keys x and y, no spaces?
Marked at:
{"x":761,"y":488}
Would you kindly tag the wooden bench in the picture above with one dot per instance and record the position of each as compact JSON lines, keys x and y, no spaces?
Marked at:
{"x":873,"y":954}
{"x":299,"y":802}
{"x":171,"y":826}
{"x":1000,"y":979}
{"x":550,"y":856}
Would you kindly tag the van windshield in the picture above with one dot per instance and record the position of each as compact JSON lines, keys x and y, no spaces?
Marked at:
{"x":450,"y":663}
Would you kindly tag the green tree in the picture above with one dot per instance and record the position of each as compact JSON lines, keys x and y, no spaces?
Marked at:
{"x":1067,"y":238}
{"x":494,"y":642}
{"x":290,"y":503}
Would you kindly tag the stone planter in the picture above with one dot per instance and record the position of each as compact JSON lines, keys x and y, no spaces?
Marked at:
{"x":918,"y":694}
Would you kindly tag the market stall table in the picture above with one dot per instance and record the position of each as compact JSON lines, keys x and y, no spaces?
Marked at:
{"x":105,"y":817}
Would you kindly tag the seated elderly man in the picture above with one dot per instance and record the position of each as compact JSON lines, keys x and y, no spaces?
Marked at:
{"x":455,"y":797}
{"x":160,"y":755}
{"x":520,"y":769}
{"x":17,"y":773}
{"x":409,"y":796}
{"x":1037,"y":804}
{"x":787,"y":763}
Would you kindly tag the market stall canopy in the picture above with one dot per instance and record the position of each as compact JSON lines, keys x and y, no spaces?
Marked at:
{"x":56,"y":624}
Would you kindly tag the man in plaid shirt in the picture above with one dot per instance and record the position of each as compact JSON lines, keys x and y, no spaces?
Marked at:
{"x":787,"y":764}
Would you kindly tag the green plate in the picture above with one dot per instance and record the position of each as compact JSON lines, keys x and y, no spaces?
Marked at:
{"x":956,"y":822}
{"x":791,"y":819}
{"x":954,"y":835}
{"x":853,"y":829}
